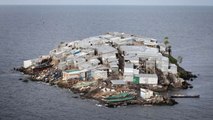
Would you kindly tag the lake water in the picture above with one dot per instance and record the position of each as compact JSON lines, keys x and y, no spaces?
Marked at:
{"x":30,"y":31}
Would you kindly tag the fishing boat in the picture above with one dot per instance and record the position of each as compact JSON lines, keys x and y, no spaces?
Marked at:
{"x":119,"y":98}
{"x":185,"y":96}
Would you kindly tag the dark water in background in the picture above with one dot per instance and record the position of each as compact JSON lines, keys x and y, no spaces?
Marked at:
{"x":29,"y":31}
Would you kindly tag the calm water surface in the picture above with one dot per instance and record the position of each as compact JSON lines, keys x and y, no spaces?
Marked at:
{"x":30,"y":31}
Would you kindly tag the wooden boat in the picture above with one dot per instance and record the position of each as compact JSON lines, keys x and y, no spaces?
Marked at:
{"x":119,"y":98}
{"x":121,"y":95}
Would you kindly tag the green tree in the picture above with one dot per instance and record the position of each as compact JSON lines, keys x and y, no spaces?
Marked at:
{"x":167,"y":44}
{"x":166,"y":41}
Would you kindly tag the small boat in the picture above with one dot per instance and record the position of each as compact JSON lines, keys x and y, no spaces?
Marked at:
{"x":119,"y":98}
{"x":25,"y":80}
{"x":185,"y":96}
{"x":121,"y":95}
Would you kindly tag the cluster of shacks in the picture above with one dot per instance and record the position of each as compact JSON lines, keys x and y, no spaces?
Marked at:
{"x":130,"y":58}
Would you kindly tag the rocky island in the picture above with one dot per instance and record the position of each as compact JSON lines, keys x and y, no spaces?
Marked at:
{"x":114,"y":68}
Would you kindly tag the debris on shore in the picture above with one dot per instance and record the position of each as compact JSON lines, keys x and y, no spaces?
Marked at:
{"x":114,"y":69}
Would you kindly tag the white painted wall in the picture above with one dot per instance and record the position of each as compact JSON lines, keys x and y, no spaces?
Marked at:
{"x":145,"y":93}
{"x":173,"y":69}
{"x":148,"y":80}
{"x":128,"y":78}
{"x":27,"y":63}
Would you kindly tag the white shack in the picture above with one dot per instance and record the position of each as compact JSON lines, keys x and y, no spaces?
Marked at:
{"x":113,"y":67}
{"x":94,"y":62}
{"x":148,"y":79}
{"x":132,"y":50}
{"x":84,"y":66}
{"x":173,"y":69}
{"x":27,"y":63}
{"x":150,"y":42}
{"x":162,"y":47}
{"x":146,"y":93}
{"x":73,"y":74}
{"x":128,"y":69}
{"x":118,"y":82}
{"x":132,"y":59}
{"x":99,"y":74}
{"x":105,"y":52}
{"x":163,"y":63}
{"x":128,"y":72}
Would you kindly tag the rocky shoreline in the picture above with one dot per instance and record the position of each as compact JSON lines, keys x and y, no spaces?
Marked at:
{"x":113,"y":90}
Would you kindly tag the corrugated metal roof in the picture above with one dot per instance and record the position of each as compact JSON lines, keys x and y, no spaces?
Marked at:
{"x":128,"y":65}
{"x":102,"y":67}
{"x":106,"y":36}
{"x":79,"y":59}
{"x":133,"y":48}
{"x":85,"y":65}
{"x":118,"y":82}
{"x":147,"y":75}
{"x":71,"y":71}
{"x":104,"y":49}
{"x":112,"y":59}
{"x":94,"y":61}
{"x":128,"y":57}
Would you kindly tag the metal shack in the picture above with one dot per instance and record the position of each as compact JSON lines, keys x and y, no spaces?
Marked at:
{"x":73,"y":74}
{"x":105,"y":52}
{"x":150,"y":42}
{"x":173,"y":69}
{"x":132,"y":59}
{"x":94,"y":62}
{"x":145,"y":93}
{"x":148,"y":79}
{"x":28,"y":63}
{"x":99,"y":74}
{"x":113,"y":67}
{"x":116,"y":83}
{"x":132,"y":50}
{"x":163,"y":64}
{"x":128,"y":72}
